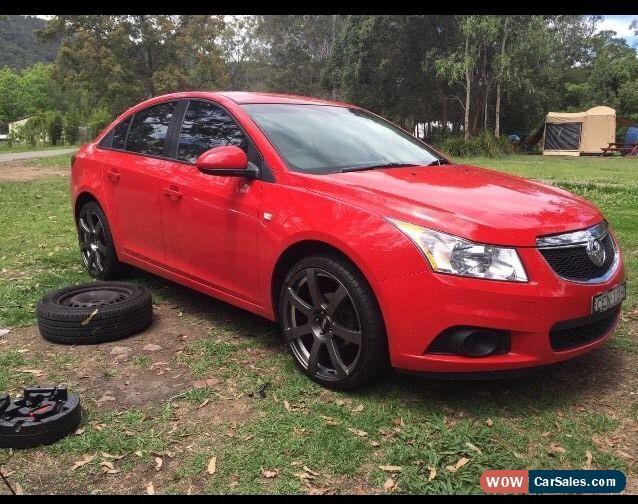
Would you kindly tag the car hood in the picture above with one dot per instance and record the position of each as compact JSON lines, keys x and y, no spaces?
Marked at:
{"x":471,"y":202}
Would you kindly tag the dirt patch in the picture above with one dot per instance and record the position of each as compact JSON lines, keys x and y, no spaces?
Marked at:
{"x":18,"y":171}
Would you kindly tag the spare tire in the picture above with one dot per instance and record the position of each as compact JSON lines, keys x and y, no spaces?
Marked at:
{"x":41,"y":416}
{"x":94,"y":313}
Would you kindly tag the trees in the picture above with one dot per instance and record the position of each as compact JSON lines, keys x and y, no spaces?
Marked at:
{"x":121,"y":60}
{"x":443,"y":73}
{"x":295,"y":52}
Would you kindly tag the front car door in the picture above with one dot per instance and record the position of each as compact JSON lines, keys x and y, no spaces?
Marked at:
{"x":211,"y":222}
{"x":133,"y":177}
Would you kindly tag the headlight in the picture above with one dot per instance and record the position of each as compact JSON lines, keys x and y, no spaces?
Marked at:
{"x":451,"y":254}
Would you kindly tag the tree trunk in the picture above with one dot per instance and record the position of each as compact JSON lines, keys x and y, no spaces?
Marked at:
{"x":333,"y":36}
{"x":497,"y":112}
{"x":468,"y":89}
{"x":444,"y":115}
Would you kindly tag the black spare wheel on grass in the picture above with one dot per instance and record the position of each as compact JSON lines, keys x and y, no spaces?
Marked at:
{"x":94,"y":312}
{"x":40,"y":416}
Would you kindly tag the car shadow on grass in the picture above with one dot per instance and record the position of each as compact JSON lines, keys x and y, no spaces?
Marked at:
{"x":577,"y":381}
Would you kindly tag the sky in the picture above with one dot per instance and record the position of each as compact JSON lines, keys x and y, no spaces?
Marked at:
{"x":620,"y":24}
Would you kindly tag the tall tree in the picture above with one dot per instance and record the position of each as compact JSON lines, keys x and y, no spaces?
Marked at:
{"x":123,"y":59}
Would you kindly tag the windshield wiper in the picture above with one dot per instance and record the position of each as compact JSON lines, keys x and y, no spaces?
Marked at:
{"x":374,"y":167}
{"x":438,"y":162}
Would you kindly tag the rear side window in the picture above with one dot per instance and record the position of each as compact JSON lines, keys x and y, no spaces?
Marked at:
{"x":119,"y":134}
{"x":116,"y":138}
{"x":148,"y":130}
{"x":205,"y":127}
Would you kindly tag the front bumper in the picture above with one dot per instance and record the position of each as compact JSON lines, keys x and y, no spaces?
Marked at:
{"x":418,"y":307}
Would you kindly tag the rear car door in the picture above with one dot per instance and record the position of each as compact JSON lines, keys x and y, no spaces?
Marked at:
{"x":133,"y":177}
{"x":211,"y":222}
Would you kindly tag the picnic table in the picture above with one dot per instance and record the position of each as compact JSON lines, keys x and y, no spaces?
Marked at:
{"x":625,"y":149}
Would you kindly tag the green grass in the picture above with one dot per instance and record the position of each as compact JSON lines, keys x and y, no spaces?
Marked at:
{"x":410,"y":422}
{"x":5,"y":149}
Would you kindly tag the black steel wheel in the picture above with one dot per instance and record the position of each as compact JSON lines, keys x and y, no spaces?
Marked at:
{"x":96,"y":243}
{"x":332,"y":323}
{"x":94,"y":312}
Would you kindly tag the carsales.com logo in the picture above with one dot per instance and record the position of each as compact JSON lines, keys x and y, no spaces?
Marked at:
{"x":546,"y":481}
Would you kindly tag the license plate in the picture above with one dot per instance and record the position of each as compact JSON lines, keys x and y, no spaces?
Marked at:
{"x":608,"y":299}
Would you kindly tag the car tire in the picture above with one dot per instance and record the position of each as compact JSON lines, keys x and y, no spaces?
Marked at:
{"x":96,"y":243}
{"x":95,"y":313}
{"x":334,"y":330}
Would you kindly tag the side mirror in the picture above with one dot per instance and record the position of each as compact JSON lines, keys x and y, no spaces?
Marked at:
{"x":229,"y":160}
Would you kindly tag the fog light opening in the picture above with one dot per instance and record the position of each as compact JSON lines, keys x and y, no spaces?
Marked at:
{"x":471,"y":342}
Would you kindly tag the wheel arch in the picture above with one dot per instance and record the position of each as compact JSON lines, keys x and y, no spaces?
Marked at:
{"x":305,"y":248}
{"x":82,"y":199}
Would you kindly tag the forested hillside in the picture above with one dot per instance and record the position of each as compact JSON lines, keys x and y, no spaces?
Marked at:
{"x":19,"y":45}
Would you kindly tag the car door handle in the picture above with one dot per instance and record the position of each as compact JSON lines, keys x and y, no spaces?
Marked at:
{"x":113,"y":175}
{"x":172,"y":193}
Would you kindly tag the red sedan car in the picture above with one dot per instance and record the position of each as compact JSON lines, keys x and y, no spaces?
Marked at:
{"x":367,"y":246}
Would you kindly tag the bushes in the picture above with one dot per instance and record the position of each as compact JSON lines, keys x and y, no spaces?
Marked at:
{"x":99,"y":120}
{"x":72,"y":127}
{"x":483,"y":144}
{"x":55,"y":123}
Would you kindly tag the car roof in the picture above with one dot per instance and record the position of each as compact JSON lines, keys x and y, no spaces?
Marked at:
{"x":245,"y":97}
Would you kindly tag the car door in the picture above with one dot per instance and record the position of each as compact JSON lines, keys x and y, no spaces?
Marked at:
{"x":210,"y":222}
{"x":133,"y":177}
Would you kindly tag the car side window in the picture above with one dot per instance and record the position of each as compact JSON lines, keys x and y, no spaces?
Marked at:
{"x":205,"y":127}
{"x":147,"y":134}
{"x":116,"y":138}
{"x":119,"y":134}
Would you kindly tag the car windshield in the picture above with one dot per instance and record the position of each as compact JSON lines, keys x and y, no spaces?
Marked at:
{"x":330,"y":139}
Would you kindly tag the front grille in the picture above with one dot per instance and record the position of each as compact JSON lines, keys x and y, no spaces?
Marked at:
{"x":581,"y":331}
{"x":573,"y":263}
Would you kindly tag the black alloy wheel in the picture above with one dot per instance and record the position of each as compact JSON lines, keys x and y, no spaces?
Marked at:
{"x":96,"y":243}
{"x":331,"y":323}
{"x":92,"y":240}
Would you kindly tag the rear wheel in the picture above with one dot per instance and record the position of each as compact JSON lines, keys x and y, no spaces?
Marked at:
{"x":332,"y":323}
{"x":96,"y":243}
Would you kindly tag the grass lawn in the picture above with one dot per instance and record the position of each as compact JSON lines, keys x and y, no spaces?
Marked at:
{"x":5,"y":149}
{"x":160,"y":418}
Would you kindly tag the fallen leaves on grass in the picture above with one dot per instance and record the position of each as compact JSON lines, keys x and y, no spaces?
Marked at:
{"x":108,"y":467}
{"x":391,"y":468}
{"x":489,"y":422}
{"x":150,"y":489}
{"x":158,"y":463}
{"x":35,"y":372}
{"x":473,"y":447}
{"x":389,"y":484}
{"x":461,"y":462}
{"x":556,"y":448}
{"x":105,"y":398}
{"x":87,"y":320}
{"x":212,"y":466}
{"x":83,"y":462}
{"x":112,"y":457}
{"x":329,"y":420}
{"x":588,"y":459}
{"x":305,"y":475}
{"x":358,"y":432}
{"x":432,"y":474}
{"x":269,"y":473}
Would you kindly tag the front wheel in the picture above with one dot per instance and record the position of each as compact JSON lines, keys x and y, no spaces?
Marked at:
{"x":332,"y":323}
